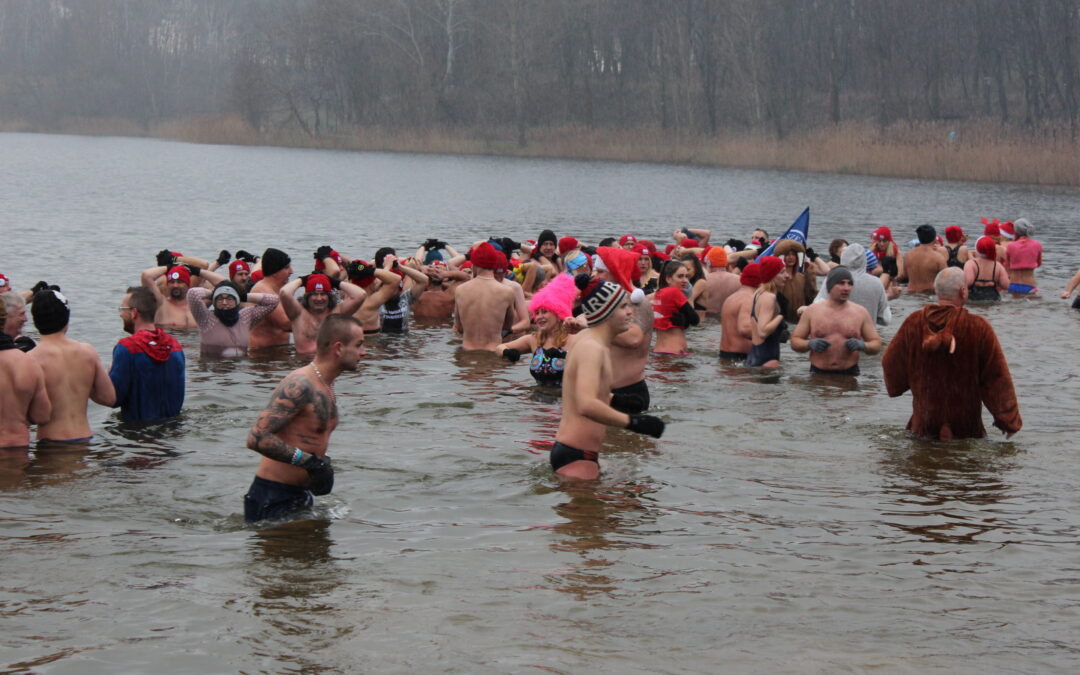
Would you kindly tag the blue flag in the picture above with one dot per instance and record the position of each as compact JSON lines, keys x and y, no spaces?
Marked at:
{"x":797,"y":232}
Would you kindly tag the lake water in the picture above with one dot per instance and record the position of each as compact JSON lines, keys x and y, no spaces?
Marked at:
{"x":781,"y":524}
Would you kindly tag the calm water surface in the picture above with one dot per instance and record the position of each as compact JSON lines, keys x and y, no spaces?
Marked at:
{"x":783,"y":523}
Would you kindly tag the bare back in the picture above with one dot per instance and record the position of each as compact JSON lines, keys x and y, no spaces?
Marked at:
{"x":23,"y":400}
{"x":435,"y":304}
{"x":482,"y":306}
{"x":73,"y":375}
{"x":719,"y":285}
{"x":630,"y":349}
{"x":735,"y":321}
{"x":922,"y":265}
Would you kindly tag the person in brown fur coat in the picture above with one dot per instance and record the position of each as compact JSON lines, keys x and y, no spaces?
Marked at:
{"x":953,"y":365}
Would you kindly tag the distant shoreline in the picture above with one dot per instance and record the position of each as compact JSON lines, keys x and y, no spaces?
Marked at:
{"x":982,"y":152}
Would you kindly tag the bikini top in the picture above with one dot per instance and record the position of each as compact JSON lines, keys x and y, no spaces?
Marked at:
{"x":547,"y":366}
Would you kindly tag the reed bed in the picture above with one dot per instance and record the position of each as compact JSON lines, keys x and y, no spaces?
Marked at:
{"x":974,"y":151}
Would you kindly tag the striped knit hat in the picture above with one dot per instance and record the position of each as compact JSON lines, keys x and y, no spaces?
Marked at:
{"x":599,"y":299}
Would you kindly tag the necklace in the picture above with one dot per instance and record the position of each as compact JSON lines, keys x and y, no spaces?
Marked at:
{"x":333,"y":394}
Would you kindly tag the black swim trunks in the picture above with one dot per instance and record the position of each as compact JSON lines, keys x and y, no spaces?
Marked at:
{"x":854,"y":370}
{"x":640,"y":388}
{"x":732,"y":356}
{"x":561,"y":455}
{"x":270,"y":500}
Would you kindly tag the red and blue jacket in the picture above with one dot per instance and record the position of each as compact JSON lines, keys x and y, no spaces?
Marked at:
{"x":148,"y":371}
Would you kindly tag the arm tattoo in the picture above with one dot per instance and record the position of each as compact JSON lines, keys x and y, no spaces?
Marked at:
{"x":291,"y":395}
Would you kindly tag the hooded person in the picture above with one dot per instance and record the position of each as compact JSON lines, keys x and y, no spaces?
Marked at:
{"x":225,"y":326}
{"x":800,"y":287}
{"x":866,"y":289}
{"x":887,"y":251}
{"x":953,"y":365}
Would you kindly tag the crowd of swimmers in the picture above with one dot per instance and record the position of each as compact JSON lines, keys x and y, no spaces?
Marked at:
{"x":585,"y":318}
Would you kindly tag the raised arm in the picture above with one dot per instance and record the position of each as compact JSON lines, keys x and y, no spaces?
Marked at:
{"x":354,"y":299}
{"x":287,"y":295}
{"x":149,"y":279}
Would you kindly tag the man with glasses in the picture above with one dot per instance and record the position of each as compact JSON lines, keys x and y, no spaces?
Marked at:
{"x":148,"y":367}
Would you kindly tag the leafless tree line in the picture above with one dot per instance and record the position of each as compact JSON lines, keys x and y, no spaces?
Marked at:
{"x":695,"y":66}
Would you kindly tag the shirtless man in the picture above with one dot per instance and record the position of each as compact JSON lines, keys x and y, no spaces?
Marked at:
{"x":836,"y":330}
{"x":23,"y":399}
{"x":630,"y":348}
{"x":483,"y":305}
{"x":923,"y":262}
{"x":735,"y":322}
{"x":293,"y":432}
{"x":720,"y":283}
{"x":587,"y":382}
{"x":317,"y":304}
{"x":173,"y":311}
{"x":380,"y":285}
{"x":437,"y":300}
{"x":274,"y":330}
{"x":73,"y":372}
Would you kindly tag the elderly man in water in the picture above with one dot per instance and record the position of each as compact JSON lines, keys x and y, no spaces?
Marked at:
{"x":836,"y":330}
{"x":953,"y":364}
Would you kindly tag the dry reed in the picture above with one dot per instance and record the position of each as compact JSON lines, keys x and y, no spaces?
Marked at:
{"x":979,"y":150}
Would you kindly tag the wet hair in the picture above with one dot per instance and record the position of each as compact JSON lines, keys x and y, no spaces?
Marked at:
{"x":835,"y":245}
{"x":143,"y":301}
{"x":926,"y":234}
{"x":670,"y":267}
{"x":609,"y":241}
{"x":335,"y":328}
{"x":948,"y":282}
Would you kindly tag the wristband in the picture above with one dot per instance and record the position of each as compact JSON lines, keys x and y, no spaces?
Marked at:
{"x":298,"y":455}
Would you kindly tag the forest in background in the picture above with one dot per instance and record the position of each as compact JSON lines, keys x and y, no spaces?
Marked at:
{"x":983,"y":89}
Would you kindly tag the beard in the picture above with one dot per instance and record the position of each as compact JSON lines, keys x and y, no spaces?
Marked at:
{"x":177,"y":293}
{"x":129,"y":325}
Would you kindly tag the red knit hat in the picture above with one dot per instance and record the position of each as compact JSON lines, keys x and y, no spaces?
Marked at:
{"x":317,"y":282}
{"x":987,"y":247}
{"x":882,"y":234}
{"x":236,"y":265}
{"x":485,"y":256}
{"x":627,"y":239}
{"x":256,"y":276}
{"x":751,"y":275}
{"x":953,"y":234}
{"x":178,"y":273}
{"x":320,"y":265}
{"x":770,"y":267}
{"x":647,"y":243}
{"x":567,"y":244}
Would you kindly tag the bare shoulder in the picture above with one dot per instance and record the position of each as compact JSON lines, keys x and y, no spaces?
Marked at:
{"x":295,"y":388}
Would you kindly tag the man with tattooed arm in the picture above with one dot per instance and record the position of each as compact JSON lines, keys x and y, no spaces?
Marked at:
{"x":293,"y":431}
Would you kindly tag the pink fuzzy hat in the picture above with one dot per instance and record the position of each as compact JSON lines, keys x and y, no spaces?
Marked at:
{"x":556,"y":297}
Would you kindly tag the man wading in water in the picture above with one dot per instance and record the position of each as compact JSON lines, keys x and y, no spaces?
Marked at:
{"x":293,"y":432}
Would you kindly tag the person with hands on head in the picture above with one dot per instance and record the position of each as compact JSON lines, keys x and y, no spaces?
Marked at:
{"x":586,"y":408}
{"x":380,"y":285}
{"x":293,"y":432}
{"x":483,"y":305}
{"x":274,"y":330}
{"x":225,"y":326}
{"x":836,"y":330}
{"x":331,"y":263}
{"x":434,"y":250}
{"x":317,"y":303}
{"x":395,"y":310}
{"x":173,"y":311}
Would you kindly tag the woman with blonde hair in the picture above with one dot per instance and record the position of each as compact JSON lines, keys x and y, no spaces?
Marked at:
{"x":549,"y":306}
